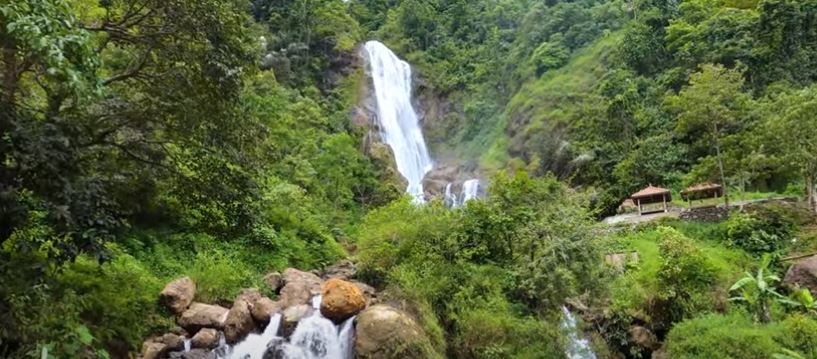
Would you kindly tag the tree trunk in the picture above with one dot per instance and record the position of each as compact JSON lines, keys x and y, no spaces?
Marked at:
{"x":716,"y":135}
{"x":810,"y":195}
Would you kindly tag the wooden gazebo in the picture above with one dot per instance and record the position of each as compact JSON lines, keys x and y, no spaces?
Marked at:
{"x":651,"y":195}
{"x":702,"y":191}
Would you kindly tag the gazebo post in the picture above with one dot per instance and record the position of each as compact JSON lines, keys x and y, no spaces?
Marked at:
{"x":664,"y":197}
{"x":639,"y":205}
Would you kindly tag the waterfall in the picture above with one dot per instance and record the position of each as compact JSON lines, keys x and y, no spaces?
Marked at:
{"x":449,"y":198}
{"x":577,"y":347}
{"x":399,"y":126}
{"x":470,"y":190}
{"x":187,"y":344}
{"x":315,"y":337}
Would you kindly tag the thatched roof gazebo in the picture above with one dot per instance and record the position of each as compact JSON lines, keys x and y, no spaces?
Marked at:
{"x":702,"y":191}
{"x":651,"y":195}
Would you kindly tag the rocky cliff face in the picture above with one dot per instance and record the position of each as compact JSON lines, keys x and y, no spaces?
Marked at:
{"x":439,"y":117}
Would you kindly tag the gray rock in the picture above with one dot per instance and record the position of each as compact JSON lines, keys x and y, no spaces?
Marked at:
{"x":201,"y":315}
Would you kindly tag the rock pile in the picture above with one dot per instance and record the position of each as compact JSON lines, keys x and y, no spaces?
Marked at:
{"x":206,"y":328}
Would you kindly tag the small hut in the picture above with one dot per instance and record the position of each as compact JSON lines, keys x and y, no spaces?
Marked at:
{"x":650,"y":196}
{"x":702,"y":191}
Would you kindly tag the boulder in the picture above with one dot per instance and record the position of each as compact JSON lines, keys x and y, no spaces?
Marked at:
{"x":173,"y":341}
{"x":206,"y":338}
{"x":201,"y":315}
{"x":383,"y":332}
{"x":803,"y":274}
{"x":249,"y":295}
{"x":274,"y":280}
{"x":644,"y":338}
{"x":344,"y":270}
{"x":178,"y":294}
{"x":291,"y":316}
{"x":264,"y":308}
{"x":341,"y":300}
{"x":153,"y":350}
{"x":239,"y":322}
{"x":199,"y":354}
{"x":369,"y":293}
{"x":299,"y":287}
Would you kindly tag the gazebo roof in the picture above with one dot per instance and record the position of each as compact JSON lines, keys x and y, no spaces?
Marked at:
{"x":650,"y":191}
{"x":702,"y":189}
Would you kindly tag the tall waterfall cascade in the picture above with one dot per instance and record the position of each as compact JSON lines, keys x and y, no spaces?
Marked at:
{"x":399,"y":124}
{"x":577,"y":346}
{"x":315,"y":337}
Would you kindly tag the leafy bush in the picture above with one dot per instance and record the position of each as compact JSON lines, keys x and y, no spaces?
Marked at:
{"x":219,"y":277}
{"x":685,"y":276}
{"x":736,"y":336}
{"x":763,"y":230}
{"x":722,"y":336}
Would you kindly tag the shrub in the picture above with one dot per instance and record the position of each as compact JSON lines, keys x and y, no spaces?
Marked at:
{"x":763,"y":230}
{"x":722,"y":336}
{"x":219,"y":277}
{"x":736,"y":336}
{"x":685,"y":275}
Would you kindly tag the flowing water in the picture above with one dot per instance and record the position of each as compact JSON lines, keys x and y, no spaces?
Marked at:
{"x":449,"y":198}
{"x":399,"y":125}
{"x":577,"y":346}
{"x":470,"y":190}
{"x":315,"y":337}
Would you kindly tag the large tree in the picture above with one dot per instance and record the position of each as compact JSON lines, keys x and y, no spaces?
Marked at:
{"x":710,"y":108}
{"x":103,"y":103}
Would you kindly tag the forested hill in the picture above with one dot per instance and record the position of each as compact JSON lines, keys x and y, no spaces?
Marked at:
{"x":613,"y":95}
{"x":145,"y":140}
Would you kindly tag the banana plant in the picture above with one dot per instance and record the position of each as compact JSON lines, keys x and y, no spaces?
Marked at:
{"x":758,"y":291}
{"x":802,"y":300}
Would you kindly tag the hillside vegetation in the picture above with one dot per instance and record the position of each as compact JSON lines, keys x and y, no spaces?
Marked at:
{"x":146,"y":140}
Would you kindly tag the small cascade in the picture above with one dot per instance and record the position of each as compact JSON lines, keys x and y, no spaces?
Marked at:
{"x":449,"y":198}
{"x":577,"y":346}
{"x":187,"y":345}
{"x":399,"y":125}
{"x":346,"y":337}
{"x":254,"y":345}
{"x":315,"y":337}
{"x":470,"y":190}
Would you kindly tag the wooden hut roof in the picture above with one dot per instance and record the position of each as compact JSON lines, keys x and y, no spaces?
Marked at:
{"x":701,"y":190}
{"x":702,"y":187}
{"x":650,"y":191}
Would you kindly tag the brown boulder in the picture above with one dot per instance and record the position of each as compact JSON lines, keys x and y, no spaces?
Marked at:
{"x":644,"y":338}
{"x":291,"y":316}
{"x":206,"y":338}
{"x":153,"y":350}
{"x":201,"y":315}
{"x":239,"y":322}
{"x":803,"y":274}
{"x":369,"y":293}
{"x":383,"y":332}
{"x":249,"y":295}
{"x":178,"y":294}
{"x":274,"y":280}
{"x":173,"y":341}
{"x":264,"y":308}
{"x":299,"y":287}
{"x":341,"y":300}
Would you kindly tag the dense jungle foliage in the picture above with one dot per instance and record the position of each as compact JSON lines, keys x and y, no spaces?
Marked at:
{"x":144,"y":140}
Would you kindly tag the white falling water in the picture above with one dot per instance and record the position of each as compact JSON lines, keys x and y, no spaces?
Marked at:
{"x":400,"y":128}
{"x":187,"y":345}
{"x":315,"y":337}
{"x":577,"y":347}
{"x":346,"y":337}
{"x":449,"y":198}
{"x":254,"y":345}
{"x":470,"y":190}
